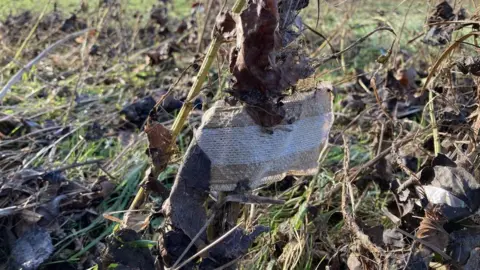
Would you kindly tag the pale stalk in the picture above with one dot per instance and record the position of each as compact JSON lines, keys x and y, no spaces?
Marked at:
{"x":194,"y":91}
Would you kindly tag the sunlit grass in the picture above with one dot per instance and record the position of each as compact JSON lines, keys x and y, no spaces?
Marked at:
{"x":179,"y":8}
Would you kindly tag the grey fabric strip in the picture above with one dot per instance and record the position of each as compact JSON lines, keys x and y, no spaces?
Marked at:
{"x":242,"y":152}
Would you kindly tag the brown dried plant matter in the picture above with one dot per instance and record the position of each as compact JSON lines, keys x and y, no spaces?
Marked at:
{"x":159,"y":139}
{"x":431,"y":229}
{"x":262,"y":72}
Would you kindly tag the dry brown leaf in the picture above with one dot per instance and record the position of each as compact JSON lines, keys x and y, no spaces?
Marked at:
{"x":255,"y":34}
{"x":138,"y":221}
{"x":159,"y":139}
{"x":431,"y":229}
{"x":262,"y":71}
{"x":225,"y":26}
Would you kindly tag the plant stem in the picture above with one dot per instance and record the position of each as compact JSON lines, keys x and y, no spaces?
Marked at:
{"x":436,"y":139}
{"x":204,"y":26}
{"x":188,"y":105}
{"x":195,"y":90}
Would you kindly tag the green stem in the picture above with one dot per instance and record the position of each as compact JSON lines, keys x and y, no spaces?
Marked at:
{"x":188,"y":105}
{"x":436,"y":139}
{"x":195,"y":90}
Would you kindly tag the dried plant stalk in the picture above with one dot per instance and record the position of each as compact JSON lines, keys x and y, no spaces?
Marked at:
{"x":188,"y":104}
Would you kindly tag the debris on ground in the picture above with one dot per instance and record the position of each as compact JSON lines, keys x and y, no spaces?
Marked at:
{"x":439,"y":30}
{"x":305,"y":145}
{"x":250,"y":155}
{"x":32,"y":249}
{"x":125,"y":250}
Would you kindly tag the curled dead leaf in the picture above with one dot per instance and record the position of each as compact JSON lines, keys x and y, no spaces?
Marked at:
{"x":432,"y":232}
{"x":159,"y":139}
{"x":155,"y":186}
{"x":450,"y":187}
{"x":225,"y":26}
{"x":431,"y":229}
{"x":263,"y":71}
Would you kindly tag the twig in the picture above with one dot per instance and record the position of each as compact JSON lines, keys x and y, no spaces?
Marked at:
{"x":360,"y":199}
{"x":357,"y":170}
{"x":431,"y":112}
{"x":414,"y":179}
{"x":320,"y":35}
{"x":342,"y":57}
{"x":384,"y":153}
{"x":380,"y":140}
{"x":346,"y":164}
{"x":79,"y":164}
{"x":15,"y":78}
{"x":415,"y":38}
{"x":106,"y":172}
{"x":383,"y":59}
{"x":170,"y":89}
{"x":40,"y":131}
{"x":194,"y":239}
{"x":11,"y":210}
{"x":225,"y":266}
{"x":337,"y":54}
{"x":47,"y":148}
{"x":346,"y":185}
{"x":373,"y":84}
{"x":409,"y":256}
{"x":61,"y":169}
{"x":402,"y":28}
{"x":204,"y":26}
{"x":462,"y":23}
{"x":252,"y":199}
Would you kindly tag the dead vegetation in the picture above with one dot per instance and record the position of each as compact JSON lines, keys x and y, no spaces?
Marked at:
{"x":273,"y":135}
